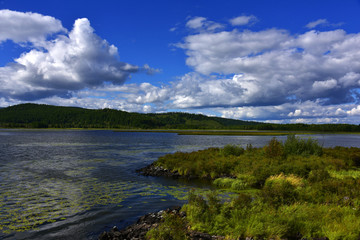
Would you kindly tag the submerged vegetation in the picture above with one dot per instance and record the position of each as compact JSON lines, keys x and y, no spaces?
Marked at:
{"x":290,"y":190}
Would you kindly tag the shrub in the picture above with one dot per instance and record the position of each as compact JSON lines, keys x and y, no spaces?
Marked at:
{"x":250,"y":180}
{"x":239,"y":185}
{"x":172,"y":228}
{"x":279,"y":190}
{"x":223,"y":182}
{"x":232,"y":150}
{"x":242,"y":200}
{"x":318,"y":175}
{"x":292,"y":179}
{"x":296,"y":146}
{"x":249,"y":147}
{"x":231,"y":183}
{"x":274,"y":149}
{"x":345,"y":174}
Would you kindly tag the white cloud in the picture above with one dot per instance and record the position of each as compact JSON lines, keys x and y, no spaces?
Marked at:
{"x":27,"y":27}
{"x":275,"y":66}
{"x":305,"y":112}
{"x":71,"y":62}
{"x":242,"y":20}
{"x":196,"y":22}
{"x":317,"y":23}
{"x":322,"y":22}
{"x":202,"y":24}
{"x":320,"y":86}
{"x":355,"y":111}
{"x":268,"y":75}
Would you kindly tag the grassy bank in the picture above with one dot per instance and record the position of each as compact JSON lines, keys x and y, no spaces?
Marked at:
{"x":293,"y":189}
{"x":218,"y":132}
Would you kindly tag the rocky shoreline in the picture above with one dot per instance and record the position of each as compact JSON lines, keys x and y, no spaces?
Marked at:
{"x":158,"y":171}
{"x":138,"y":230}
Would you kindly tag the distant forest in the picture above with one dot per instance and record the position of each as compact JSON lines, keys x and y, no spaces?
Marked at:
{"x":47,"y":116}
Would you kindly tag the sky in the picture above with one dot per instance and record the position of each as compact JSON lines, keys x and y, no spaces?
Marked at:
{"x":257,"y":60}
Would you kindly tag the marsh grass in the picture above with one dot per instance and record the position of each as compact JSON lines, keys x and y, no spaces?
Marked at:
{"x":345,"y":174}
{"x":302,"y":191}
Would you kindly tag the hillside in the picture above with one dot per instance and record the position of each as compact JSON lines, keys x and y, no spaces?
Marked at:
{"x":46,"y":116}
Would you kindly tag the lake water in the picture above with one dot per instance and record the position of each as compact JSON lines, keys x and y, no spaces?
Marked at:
{"x":77,"y":184}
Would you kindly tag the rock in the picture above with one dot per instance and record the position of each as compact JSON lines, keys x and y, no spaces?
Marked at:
{"x":138,"y":230}
{"x":203,"y":236}
{"x":157,"y":171}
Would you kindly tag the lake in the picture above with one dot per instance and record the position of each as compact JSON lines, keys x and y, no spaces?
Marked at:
{"x":57,"y":184}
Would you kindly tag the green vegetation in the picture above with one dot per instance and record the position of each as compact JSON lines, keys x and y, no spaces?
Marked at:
{"x":173,"y":227}
{"x":300,"y":190}
{"x":45,"y":116}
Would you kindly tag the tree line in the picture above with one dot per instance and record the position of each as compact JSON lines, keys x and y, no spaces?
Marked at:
{"x":46,"y":116}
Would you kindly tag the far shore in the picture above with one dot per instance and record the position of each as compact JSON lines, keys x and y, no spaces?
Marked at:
{"x":191,"y":131}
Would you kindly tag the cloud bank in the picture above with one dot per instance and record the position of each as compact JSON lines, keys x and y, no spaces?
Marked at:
{"x":272,"y":66}
{"x":267,"y":74}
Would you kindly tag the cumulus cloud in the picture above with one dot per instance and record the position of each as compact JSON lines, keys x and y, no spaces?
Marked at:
{"x":71,"y":62}
{"x":306,"y":112}
{"x":242,"y":20}
{"x":354,"y":111}
{"x":272,"y":66}
{"x":266,"y":75}
{"x":27,"y":27}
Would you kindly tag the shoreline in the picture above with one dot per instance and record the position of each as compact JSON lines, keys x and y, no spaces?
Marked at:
{"x":149,"y":221}
{"x":215,"y":132}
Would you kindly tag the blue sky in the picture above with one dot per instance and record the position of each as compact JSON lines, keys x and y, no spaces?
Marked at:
{"x":275,"y":61}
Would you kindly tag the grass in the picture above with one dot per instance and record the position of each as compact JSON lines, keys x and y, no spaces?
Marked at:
{"x":286,"y":190}
{"x":220,"y":132}
{"x":345,"y":174}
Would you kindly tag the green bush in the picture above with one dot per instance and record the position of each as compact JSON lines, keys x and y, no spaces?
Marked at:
{"x":279,"y":191}
{"x":249,"y":217}
{"x":223,"y":182}
{"x":318,"y":175}
{"x":274,"y":149}
{"x":173,"y":227}
{"x":296,"y":146}
{"x":235,"y":184}
{"x":232,"y":150}
{"x":242,"y":200}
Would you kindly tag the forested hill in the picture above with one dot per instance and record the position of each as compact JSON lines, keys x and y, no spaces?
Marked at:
{"x":46,"y":116}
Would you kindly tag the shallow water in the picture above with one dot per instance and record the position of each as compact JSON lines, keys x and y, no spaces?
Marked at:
{"x":66,"y":184}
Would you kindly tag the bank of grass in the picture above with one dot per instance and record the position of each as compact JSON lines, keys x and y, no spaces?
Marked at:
{"x":237,"y":133}
{"x":222,"y":132}
{"x":303,"y":190}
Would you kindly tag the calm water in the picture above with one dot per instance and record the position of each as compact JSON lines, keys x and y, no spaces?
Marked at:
{"x":76,"y":184}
